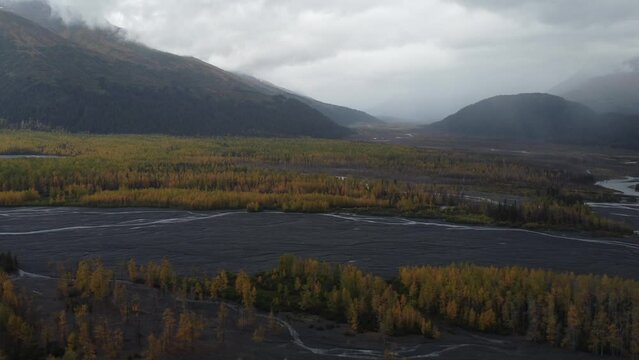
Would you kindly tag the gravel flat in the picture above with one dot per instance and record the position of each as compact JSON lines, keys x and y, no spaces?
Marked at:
{"x":210,"y":241}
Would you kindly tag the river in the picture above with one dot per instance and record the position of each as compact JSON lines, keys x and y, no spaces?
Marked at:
{"x":626,"y":187}
{"x":211,"y":241}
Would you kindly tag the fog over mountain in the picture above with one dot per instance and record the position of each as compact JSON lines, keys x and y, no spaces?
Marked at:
{"x":413,"y":59}
{"x":613,"y":90}
{"x":539,"y":118}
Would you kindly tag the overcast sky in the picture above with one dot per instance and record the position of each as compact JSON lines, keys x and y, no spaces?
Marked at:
{"x":416,"y":59}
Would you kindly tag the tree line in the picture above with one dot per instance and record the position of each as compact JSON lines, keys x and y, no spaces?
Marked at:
{"x":597,"y":314}
{"x":291,"y":175}
{"x":312,"y":155}
{"x":593,"y":313}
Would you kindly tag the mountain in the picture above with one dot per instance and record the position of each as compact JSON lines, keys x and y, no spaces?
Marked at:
{"x":93,"y":80}
{"x":615,"y":91}
{"x":339,"y":114}
{"x":102,"y":41}
{"x":539,"y":118}
{"x":618,"y":130}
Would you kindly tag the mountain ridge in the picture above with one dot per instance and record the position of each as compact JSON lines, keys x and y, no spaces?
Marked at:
{"x":93,"y":80}
{"x":539,"y":117}
{"x":613,"y":91}
{"x":112,"y":41}
{"x":340,"y":114}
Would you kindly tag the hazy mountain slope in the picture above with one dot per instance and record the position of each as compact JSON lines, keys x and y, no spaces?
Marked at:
{"x":92,"y":80}
{"x":539,"y":117}
{"x":619,"y":130}
{"x":340,"y":114}
{"x":616,"y":91}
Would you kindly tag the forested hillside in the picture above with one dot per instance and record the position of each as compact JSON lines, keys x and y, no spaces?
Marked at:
{"x":95,"y":81}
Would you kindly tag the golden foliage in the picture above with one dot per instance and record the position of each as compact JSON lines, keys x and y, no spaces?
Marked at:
{"x":285,"y":174}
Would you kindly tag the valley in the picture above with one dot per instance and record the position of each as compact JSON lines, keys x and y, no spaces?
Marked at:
{"x":178,"y":181}
{"x":212,"y":205}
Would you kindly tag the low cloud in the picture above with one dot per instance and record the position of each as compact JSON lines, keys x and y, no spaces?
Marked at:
{"x":91,"y":12}
{"x":563,"y":13}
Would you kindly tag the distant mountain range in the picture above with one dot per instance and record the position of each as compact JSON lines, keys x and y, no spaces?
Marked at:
{"x":540,"y":118}
{"x":587,"y":109}
{"x":82,"y":79}
{"x":342,"y":115}
{"x":616,"y":91}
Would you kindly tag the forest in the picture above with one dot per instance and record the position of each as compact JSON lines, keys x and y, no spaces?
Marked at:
{"x":303,"y":175}
{"x":101,"y":316}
